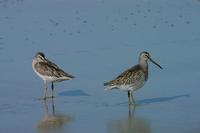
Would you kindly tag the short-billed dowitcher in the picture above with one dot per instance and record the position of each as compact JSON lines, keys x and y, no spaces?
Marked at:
{"x":133,"y":78}
{"x":49,"y":72}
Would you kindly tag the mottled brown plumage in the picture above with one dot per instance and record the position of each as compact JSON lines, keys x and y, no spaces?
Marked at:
{"x":133,"y":78}
{"x":48,"y":71}
{"x":129,"y":77}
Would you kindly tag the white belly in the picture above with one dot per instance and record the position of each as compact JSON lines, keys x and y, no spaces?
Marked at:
{"x":51,"y":78}
{"x":131,"y":87}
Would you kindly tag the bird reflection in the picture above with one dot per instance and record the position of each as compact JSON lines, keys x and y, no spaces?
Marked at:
{"x":52,"y":121}
{"x":131,"y":124}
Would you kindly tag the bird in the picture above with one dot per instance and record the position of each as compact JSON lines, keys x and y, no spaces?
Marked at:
{"x":133,"y":78}
{"x":49,"y":72}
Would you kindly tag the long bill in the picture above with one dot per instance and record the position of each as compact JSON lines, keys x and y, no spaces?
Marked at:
{"x":155,"y":63}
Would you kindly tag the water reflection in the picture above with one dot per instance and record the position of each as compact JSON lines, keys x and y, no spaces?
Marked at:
{"x":130,"y":124}
{"x":74,"y":93}
{"x":52,"y":122}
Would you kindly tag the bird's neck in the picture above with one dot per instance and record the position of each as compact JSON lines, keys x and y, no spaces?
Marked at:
{"x":144,"y":65}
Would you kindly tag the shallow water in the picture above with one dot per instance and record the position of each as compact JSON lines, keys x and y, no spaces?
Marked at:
{"x":96,"y":40}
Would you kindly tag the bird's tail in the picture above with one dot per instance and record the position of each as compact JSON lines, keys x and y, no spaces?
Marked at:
{"x":69,"y":76}
{"x":109,"y":86}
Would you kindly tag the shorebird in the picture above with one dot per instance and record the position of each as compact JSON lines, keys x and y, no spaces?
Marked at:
{"x":49,"y":72}
{"x":133,"y":78}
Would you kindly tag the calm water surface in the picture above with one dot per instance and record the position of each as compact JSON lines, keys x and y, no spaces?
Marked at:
{"x":96,"y":40}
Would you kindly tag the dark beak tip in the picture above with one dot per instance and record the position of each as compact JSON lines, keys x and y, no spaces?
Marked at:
{"x":160,"y":67}
{"x":155,"y":63}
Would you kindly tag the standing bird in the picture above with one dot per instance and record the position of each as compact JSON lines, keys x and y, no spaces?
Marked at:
{"x":49,"y":72}
{"x":133,"y":78}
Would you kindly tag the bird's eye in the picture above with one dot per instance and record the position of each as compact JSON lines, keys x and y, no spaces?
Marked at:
{"x":146,"y":56}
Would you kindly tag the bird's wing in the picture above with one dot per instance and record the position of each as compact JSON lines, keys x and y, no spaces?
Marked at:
{"x":126,"y":77}
{"x":51,"y":69}
{"x":51,"y":63}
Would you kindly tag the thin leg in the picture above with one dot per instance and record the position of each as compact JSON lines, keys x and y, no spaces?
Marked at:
{"x":131,"y":112}
{"x":52,"y":90}
{"x":45,"y":90}
{"x":133,"y":100}
{"x":129,"y":101}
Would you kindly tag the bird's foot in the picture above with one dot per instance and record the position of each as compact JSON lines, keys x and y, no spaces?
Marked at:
{"x":45,"y":98}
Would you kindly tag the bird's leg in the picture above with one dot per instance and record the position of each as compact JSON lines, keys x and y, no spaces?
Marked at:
{"x":133,"y":100}
{"x":52,"y":90}
{"x":45,"y":90}
{"x":129,"y":102}
{"x":131,"y":112}
{"x":130,"y":93}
